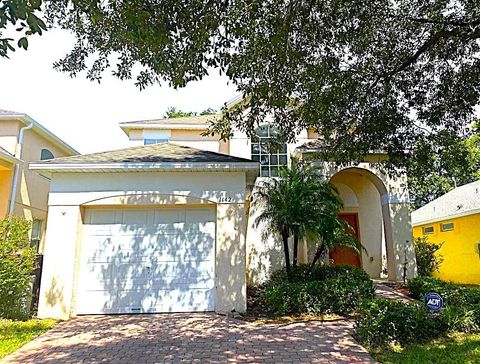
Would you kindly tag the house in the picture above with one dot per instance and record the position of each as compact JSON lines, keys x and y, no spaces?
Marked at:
{"x":167,"y":224}
{"x":24,"y":192}
{"x":454,"y":220}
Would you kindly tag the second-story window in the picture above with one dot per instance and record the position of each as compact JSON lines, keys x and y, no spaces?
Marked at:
{"x":45,"y":154}
{"x":154,"y":141}
{"x":271,"y":159}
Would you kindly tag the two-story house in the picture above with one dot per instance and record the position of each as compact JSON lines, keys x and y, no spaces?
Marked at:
{"x":24,"y":192}
{"x":167,"y":225}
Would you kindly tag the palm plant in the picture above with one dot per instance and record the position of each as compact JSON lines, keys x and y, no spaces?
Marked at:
{"x":301,"y":204}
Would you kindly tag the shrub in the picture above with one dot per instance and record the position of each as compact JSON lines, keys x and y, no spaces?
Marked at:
{"x":462,"y":304}
{"x":382,"y":322}
{"x":327,"y":289}
{"x":16,"y":264}
{"x":427,"y":261}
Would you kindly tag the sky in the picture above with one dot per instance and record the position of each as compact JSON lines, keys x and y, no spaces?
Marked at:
{"x":86,"y":114}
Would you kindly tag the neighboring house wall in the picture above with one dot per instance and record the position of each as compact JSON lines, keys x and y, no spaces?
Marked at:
{"x":72,"y":193}
{"x":460,"y":250}
{"x":32,"y":189}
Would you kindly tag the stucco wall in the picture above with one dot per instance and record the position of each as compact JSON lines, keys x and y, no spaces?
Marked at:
{"x":460,"y":250}
{"x":71,"y":190}
{"x":8,"y":134}
{"x":5,"y":186}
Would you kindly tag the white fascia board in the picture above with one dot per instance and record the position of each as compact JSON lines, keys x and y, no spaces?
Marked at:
{"x":125,"y":167}
{"x":446,"y":217}
{"x":47,"y":134}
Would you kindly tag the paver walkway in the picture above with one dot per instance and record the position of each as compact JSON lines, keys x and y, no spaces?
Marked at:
{"x":384,"y":291}
{"x":202,"y":338}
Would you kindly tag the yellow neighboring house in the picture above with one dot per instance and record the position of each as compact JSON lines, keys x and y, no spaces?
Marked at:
{"x":24,"y":192}
{"x":454,"y":219}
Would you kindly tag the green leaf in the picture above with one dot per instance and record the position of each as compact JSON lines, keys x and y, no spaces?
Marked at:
{"x":23,"y":43}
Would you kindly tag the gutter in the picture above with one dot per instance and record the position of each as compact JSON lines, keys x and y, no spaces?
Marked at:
{"x":125,"y":167}
{"x":18,"y":154}
{"x":27,"y":120}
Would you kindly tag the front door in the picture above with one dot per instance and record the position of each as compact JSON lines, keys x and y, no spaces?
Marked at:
{"x":347,"y":256}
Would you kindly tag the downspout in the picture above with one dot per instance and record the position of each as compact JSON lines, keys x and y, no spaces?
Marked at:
{"x":18,"y":154}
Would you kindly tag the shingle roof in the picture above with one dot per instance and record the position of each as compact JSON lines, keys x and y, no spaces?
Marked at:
{"x":156,"y":153}
{"x":8,"y":112}
{"x":459,"y":201}
{"x":189,"y":120}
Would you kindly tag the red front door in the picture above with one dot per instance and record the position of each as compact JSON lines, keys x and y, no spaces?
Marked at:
{"x":341,"y":255}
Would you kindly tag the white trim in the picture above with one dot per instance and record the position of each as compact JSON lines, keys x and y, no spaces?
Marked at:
{"x":446,"y":217}
{"x":47,"y":134}
{"x":151,"y":166}
{"x":163,"y":126}
{"x":10,"y":158}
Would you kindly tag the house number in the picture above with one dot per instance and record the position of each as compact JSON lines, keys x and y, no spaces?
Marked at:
{"x":225,"y":199}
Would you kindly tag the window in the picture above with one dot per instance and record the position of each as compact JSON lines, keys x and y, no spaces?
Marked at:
{"x":45,"y":154}
{"x":428,"y":230}
{"x":36,"y":234}
{"x":154,"y":141}
{"x":447,"y":226}
{"x":270,"y":160}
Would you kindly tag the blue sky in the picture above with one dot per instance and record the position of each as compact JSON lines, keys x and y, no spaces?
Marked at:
{"x":86,"y":114}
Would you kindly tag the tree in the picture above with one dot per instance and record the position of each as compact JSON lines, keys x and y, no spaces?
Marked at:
{"x":300,"y":204}
{"x":377,"y":75}
{"x":439,"y":167}
{"x":16,"y":264}
{"x":23,"y":15}
{"x":428,"y":260}
{"x":172,"y":112}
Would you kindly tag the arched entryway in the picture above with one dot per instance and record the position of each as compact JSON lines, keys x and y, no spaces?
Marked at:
{"x":363,"y":194}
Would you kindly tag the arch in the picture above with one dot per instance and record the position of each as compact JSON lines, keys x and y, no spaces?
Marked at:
{"x":348,"y":196}
{"x":378,"y":183}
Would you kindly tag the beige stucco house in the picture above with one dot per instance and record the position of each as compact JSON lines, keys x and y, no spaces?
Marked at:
{"x":167,"y":225}
{"x":24,"y":192}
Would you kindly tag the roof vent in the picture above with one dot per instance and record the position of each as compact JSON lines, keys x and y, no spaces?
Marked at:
{"x":459,"y":206}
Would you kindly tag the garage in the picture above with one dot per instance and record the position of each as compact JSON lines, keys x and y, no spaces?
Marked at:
{"x":155,"y":228}
{"x":140,"y":260}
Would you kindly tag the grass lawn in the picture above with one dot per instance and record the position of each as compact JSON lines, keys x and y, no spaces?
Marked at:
{"x":14,"y":334}
{"x":455,"y":348}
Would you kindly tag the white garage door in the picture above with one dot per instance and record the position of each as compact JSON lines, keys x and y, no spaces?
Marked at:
{"x":147,"y":260}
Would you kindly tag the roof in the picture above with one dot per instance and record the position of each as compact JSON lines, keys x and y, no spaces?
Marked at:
{"x":188,"y":122}
{"x":9,"y":157}
{"x":149,"y":157}
{"x":40,"y":129}
{"x":461,"y":201}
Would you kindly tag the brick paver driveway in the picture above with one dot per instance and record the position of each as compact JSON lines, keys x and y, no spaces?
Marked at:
{"x":202,"y":338}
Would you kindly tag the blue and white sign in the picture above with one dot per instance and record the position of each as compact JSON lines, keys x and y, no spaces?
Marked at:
{"x":433,"y":301}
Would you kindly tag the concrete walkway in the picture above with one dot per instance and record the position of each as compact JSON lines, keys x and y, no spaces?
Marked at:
{"x":199,"y":338}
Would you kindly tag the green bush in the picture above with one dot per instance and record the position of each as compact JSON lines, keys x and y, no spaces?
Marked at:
{"x":462,"y":304}
{"x":16,"y":264}
{"x":427,"y":261}
{"x":382,"y":322}
{"x":327,"y":289}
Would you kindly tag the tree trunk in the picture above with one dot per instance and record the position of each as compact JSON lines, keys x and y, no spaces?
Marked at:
{"x":318,"y":254}
{"x":286,"y":250}
{"x":295,"y":247}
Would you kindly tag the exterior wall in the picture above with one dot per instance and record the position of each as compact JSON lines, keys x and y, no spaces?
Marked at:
{"x":71,"y":191}
{"x":460,"y":250}
{"x":9,"y":130}
{"x":6,"y":175}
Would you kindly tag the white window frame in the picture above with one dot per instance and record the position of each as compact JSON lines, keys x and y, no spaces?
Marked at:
{"x":425,"y":232}
{"x":270,"y":163}
{"x":445,"y":229}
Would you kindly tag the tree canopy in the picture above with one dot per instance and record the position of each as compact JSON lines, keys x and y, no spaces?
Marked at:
{"x":381,"y":75}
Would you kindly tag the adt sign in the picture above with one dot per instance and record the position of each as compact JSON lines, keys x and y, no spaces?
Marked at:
{"x":433,"y":301}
